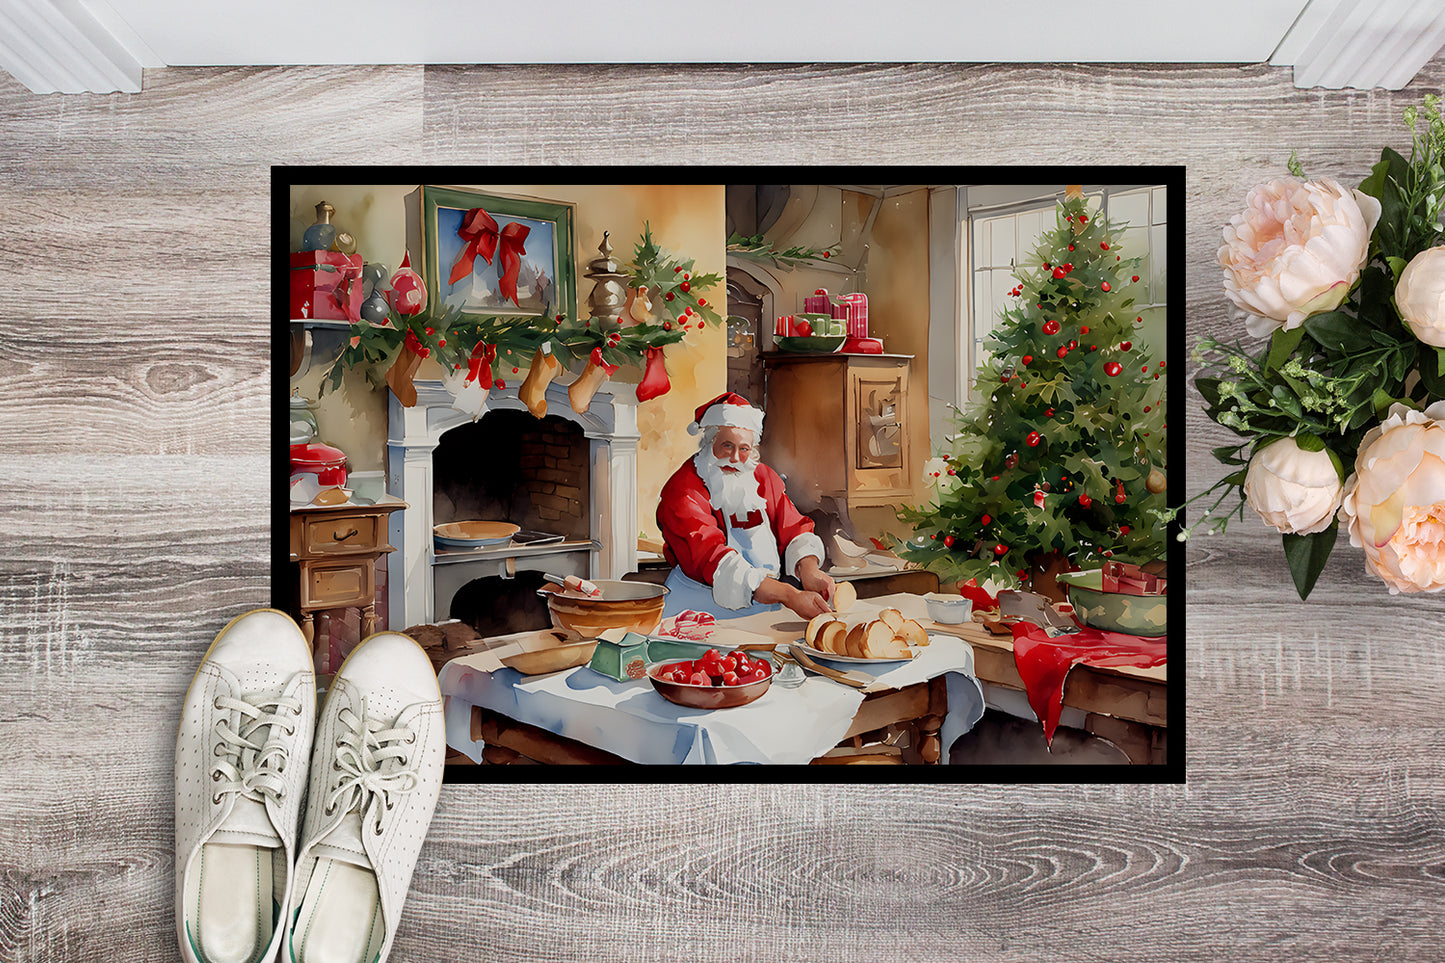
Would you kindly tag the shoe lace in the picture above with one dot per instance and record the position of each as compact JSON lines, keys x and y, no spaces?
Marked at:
{"x":252,"y":757}
{"x":375,"y":766}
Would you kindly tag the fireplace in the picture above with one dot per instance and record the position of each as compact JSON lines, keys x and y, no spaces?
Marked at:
{"x":568,"y":474}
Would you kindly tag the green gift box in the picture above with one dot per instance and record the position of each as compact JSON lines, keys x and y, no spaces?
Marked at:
{"x":626,"y":655}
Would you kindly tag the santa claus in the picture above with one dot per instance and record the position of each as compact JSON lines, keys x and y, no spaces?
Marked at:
{"x":737,"y":544}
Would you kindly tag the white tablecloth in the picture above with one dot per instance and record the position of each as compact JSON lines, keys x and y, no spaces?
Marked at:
{"x":630,"y":720}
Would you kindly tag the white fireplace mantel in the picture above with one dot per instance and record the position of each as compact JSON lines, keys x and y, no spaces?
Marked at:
{"x":610,"y":426}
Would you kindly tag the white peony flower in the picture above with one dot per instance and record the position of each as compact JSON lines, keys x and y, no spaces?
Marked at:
{"x":1395,"y":501}
{"x":1420,"y":296}
{"x":1296,"y":491}
{"x":1296,"y":250}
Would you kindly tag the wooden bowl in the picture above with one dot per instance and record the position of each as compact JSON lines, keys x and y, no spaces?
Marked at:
{"x":568,"y":653}
{"x":705,"y":696}
{"x":1144,"y":615}
{"x":633,"y":606}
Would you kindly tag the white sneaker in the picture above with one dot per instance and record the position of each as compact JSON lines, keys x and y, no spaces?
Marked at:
{"x":375,"y":777}
{"x":241,"y":756}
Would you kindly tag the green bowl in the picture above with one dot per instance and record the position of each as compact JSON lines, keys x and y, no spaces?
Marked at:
{"x":1145,"y":615}
{"x":813,"y":345}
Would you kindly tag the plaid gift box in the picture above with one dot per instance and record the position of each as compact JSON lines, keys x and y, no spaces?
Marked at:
{"x":818,"y":303}
{"x":857,"y":305}
{"x":325,"y":286}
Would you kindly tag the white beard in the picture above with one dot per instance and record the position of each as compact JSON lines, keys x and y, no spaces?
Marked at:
{"x":730,"y":492}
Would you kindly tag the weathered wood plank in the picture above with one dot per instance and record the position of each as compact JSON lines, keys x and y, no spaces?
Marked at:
{"x":134,"y":371}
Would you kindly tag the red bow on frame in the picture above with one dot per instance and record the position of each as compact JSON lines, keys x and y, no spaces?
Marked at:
{"x":479,"y":231}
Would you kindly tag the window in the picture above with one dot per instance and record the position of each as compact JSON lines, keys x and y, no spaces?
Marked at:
{"x":1006,"y":236}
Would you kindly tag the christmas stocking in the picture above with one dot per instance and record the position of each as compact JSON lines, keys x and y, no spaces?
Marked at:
{"x":596,"y":372}
{"x":534,"y":389}
{"x":654,"y":378}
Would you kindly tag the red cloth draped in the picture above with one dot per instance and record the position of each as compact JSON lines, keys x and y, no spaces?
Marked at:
{"x":479,"y":231}
{"x":1044,"y":662}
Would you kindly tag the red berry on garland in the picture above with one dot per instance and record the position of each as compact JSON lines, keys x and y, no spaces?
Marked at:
{"x":1083,"y":219}
{"x":1063,"y":351}
{"x":1126,"y":345}
{"x":1104,"y":245}
{"x":948,"y":541}
{"x":456,"y":367}
{"x":1033,"y":439}
{"x":826,"y":254}
{"x":1005,"y":378}
{"x":1123,"y":529}
{"x":1093,"y":347}
{"x":667,"y":325}
{"x":1059,"y":273}
{"x":1105,"y":286}
{"x":1085,"y":501}
{"x":1119,"y":495}
{"x":1145,"y":369}
{"x":431,"y":331}
{"x":1084,"y":329}
{"x":1028,"y":359}
{"x":1135,"y":278}
{"x":1049,"y":413}
{"x":686,"y":287}
{"x":442,"y":343}
{"x":1073,"y":345}
{"x":986,"y":519}
{"x":1161,"y":366}
{"x":500,"y":383}
{"x":677,"y":270}
{"x":1146,"y":409}
{"x":668,"y":296}
{"x":702,"y":302}
{"x":1000,"y":549}
{"x":1071,"y":247}
{"x":514,"y":371}
{"x":1051,"y":327}
{"x":1113,"y":368}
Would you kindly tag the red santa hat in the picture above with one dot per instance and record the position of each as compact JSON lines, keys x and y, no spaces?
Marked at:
{"x":728,"y":410}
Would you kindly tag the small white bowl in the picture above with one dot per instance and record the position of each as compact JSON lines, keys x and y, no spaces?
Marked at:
{"x":948,"y":609}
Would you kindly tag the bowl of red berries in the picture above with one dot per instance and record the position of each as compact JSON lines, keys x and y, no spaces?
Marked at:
{"x":715,"y":681}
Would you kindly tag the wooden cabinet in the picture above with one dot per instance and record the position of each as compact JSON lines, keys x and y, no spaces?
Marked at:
{"x":837,"y":428}
{"x":335,"y":548}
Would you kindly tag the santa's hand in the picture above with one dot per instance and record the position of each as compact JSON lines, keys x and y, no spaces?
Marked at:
{"x":814,"y":580}
{"x":808,"y":604}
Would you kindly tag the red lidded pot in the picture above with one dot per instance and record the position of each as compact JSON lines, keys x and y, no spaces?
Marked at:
{"x":326,"y":463}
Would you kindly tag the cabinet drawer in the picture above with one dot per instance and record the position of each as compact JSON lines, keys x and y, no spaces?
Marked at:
{"x":341,"y":536}
{"x":337,"y":584}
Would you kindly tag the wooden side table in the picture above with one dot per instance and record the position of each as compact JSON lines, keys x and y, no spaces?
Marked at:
{"x":336,"y":548}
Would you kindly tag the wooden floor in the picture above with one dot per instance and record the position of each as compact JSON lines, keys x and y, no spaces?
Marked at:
{"x":134,"y":371}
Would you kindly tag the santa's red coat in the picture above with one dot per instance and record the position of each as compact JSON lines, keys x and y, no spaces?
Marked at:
{"x":692,"y":530}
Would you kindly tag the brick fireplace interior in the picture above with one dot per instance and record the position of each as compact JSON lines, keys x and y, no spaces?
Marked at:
{"x":511,"y":466}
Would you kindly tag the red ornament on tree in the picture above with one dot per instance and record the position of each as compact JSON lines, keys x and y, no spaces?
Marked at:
{"x":1084,"y":500}
{"x":1063,"y":351}
{"x":1059,"y":273}
{"x":1000,"y":549}
{"x":986,"y":519}
{"x":1126,"y":345}
{"x":1135,"y":278}
{"x":1104,"y":286}
{"x":1051,"y":327}
{"x":1028,"y":359}
{"x":1033,"y":439}
{"x":1113,"y":368}
{"x":948,"y":541}
{"x":1039,"y":499}
{"x":1119,"y":495}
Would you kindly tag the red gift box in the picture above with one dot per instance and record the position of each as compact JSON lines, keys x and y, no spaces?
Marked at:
{"x":326,"y":286}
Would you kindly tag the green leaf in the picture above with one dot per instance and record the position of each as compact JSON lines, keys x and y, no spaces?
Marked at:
{"x":1307,"y":555}
{"x":1281,"y":346}
{"x":1339,"y":332}
{"x":1397,"y":264}
{"x":1309,"y":442}
{"x":1229,"y":455}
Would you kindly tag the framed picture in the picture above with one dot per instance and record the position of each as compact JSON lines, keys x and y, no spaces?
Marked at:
{"x":802,"y":427}
{"x":490,"y":255}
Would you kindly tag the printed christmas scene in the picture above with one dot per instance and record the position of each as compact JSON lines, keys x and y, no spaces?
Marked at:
{"x":748,"y":473}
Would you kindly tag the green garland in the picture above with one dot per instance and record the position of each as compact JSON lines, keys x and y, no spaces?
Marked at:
{"x":675,"y":292}
{"x":759,"y":248}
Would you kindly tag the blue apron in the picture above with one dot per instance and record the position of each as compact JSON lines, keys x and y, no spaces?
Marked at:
{"x":755,"y":542}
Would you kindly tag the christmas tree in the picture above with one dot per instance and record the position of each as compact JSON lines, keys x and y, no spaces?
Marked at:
{"x":1060,"y":455}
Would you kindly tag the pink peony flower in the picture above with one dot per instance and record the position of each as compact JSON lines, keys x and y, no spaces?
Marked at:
{"x":1296,"y":491}
{"x":1395,"y":500}
{"x":1296,"y":250}
{"x":1420,"y":296}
